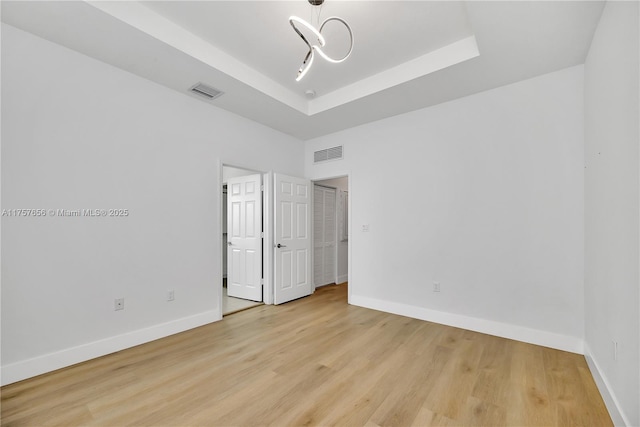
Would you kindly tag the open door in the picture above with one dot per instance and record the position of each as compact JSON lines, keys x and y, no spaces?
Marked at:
{"x":292,"y":238}
{"x":244,"y":228}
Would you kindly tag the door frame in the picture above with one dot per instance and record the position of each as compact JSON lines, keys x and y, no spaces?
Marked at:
{"x":267,"y":242}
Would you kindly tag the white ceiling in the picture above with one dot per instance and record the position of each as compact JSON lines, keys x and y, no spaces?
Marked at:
{"x":407,"y":54}
{"x":258,"y":34}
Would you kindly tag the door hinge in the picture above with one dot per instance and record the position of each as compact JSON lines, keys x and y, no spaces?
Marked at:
{"x":262,"y":281}
{"x":262,"y":234}
{"x":262,"y":188}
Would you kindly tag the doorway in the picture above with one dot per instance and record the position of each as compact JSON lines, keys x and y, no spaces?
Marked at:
{"x":267,"y":237}
{"x":331,"y":231}
{"x":242,"y":265}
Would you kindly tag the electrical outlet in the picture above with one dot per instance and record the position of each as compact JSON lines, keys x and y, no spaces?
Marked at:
{"x":119,"y":304}
{"x":171,"y":295}
{"x":436,"y":286}
{"x":365,"y":228}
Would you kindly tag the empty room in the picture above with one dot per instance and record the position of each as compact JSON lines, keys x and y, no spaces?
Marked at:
{"x":320,"y":212}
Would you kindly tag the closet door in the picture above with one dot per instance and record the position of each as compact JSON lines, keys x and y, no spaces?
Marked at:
{"x":324,"y":235}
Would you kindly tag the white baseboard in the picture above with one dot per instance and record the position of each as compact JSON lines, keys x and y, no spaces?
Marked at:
{"x":24,"y":369}
{"x":610,"y":401}
{"x":342,"y":279}
{"x":504,"y":330}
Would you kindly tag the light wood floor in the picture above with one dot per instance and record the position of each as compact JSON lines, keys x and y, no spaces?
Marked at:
{"x":316,"y":361}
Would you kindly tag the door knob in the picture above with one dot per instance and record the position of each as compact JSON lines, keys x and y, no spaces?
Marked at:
{"x":229,"y":243}
{"x":280,"y":246}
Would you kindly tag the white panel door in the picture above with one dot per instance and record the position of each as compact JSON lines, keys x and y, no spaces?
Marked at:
{"x":324,"y":235}
{"x":244,"y":237}
{"x":292,"y":238}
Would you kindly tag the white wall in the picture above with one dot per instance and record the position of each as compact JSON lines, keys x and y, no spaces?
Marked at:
{"x":341,"y":184}
{"x":483,"y":194}
{"x":612,"y":297}
{"x":77,"y":133}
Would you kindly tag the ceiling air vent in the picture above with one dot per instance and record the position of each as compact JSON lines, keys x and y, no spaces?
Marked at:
{"x":206,"y":91}
{"x":333,"y":153}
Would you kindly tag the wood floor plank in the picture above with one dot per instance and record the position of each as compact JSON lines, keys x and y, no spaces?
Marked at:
{"x":531,"y":404}
{"x":492,"y":383}
{"x":316,"y":361}
{"x":427,"y":418}
{"x":329,"y":398}
{"x":358,"y":407}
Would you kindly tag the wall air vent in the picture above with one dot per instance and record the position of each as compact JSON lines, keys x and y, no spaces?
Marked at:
{"x":206,"y":91}
{"x":333,"y":153}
